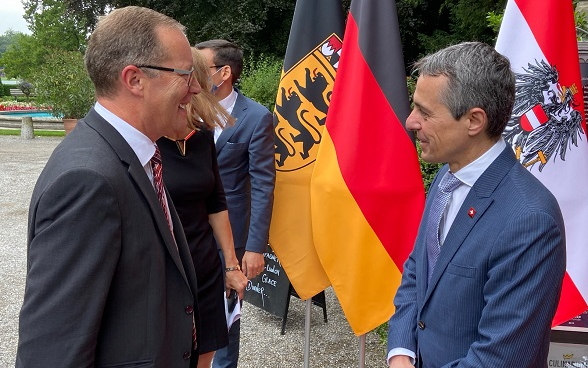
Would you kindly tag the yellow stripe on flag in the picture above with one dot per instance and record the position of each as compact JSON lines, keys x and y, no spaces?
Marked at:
{"x":364,"y":277}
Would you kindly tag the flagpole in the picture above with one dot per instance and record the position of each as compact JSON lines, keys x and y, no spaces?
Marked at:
{"x":362,"y":351}
{"x":307,"y":333}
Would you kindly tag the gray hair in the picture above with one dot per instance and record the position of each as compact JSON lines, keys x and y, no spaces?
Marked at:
{"x":126,"y":36}
{"x":478,"y":76}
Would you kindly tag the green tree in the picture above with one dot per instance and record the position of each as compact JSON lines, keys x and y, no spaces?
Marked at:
{"x":247,"y":22}
{"x":23,"y":57}
{"x":429,"y":25}
{"x":7,"y":39}
{"x":52,"y":29}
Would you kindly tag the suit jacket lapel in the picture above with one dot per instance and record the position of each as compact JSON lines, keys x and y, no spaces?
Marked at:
{"x":479,"y":198}
{"x":239,"y":112}
{"x":137,"y":173}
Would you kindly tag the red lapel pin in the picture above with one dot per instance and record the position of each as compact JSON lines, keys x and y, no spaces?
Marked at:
{"x":472,"y":212}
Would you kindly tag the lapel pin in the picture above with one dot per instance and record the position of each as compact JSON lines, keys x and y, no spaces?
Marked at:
{"x":472,"y":212}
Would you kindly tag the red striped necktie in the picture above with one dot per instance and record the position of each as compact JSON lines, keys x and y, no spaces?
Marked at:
{"x":158,"y":183}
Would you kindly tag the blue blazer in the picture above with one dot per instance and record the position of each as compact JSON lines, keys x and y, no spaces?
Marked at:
{"x":245,"y":153}
{"x":497,"y":282}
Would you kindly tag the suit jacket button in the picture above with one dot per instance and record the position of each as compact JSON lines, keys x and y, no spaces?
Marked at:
{"x":421,"y":325}
{"x":189,"y":309}
{"x":187,"y":355}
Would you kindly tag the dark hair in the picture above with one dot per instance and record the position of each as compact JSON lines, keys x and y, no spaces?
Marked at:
{"x":478,"y":76}
{"x":225,"y":53}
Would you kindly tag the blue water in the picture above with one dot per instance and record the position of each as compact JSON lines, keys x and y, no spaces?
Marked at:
{"x":34,"y":114}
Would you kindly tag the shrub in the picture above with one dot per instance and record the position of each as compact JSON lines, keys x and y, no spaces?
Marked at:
{"x":63,"y":84}
{"x":260,"y":79}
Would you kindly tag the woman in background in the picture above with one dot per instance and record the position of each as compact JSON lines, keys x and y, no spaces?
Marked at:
{"x":190,"y":173}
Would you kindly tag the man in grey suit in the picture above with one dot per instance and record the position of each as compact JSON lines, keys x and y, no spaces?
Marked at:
{"x":110,"y":281}
{"x":482,"y":285}
{"x":245,"y":154}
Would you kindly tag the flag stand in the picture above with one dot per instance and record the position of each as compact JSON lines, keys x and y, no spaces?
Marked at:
{"x":307,"y":333}
{"x":362,"y":351}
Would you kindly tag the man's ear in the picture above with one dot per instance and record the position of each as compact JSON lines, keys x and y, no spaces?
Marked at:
{"x":478,"y":121}
{"x":227,"y":73}
{"x":133,"y":79}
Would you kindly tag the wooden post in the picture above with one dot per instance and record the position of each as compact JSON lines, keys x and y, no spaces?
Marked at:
{"x":26,"y":130}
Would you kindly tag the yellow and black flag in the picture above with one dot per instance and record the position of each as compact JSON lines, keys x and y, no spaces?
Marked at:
{"x":304,"y":95}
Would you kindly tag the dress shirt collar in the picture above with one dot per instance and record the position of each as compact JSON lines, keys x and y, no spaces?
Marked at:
{"x":471,"y":172}
{"x":229,"y":102}
{"x":143,"y":147}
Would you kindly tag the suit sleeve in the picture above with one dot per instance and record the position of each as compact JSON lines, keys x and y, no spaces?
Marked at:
{"x":262,"y":172}
{"x":74,"y":244}
{"x":527,"y":266}
{"x":401,"y":327}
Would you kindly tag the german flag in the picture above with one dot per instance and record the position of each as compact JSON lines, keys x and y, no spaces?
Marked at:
{"x":367,"y":194}
{"x":304,"y":95}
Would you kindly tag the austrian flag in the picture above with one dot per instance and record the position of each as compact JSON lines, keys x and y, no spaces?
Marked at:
{"x":547,"y":129}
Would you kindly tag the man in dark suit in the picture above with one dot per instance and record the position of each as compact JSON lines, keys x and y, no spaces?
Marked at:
{"x":245,"y":154}
{"x":110,"y":279}
{"x":482,"y":285}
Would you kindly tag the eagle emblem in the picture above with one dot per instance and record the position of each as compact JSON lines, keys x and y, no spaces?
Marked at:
{"x":545,"y":121}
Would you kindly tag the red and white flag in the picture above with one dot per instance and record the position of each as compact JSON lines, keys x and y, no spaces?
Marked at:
{"x":547,"y":129}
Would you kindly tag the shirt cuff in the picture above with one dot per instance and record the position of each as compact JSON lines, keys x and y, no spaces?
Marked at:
{"x":401,"y":351}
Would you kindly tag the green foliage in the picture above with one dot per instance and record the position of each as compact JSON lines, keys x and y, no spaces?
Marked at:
{"x":494,"y":20}
{"x":23,"y":57}
{"x":429,"y":25}
{"x":246,"y":22}
{"x":52,"y":27}
{"x":62,"y":83}
{"x":5,"y":90}
{"x":7,"y":39}
{"x":260,"y":79}
{"x":581,"y":23}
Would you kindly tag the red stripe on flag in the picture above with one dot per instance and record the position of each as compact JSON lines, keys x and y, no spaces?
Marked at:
{"x":533,"y":118}
{"x":375,"y":154}
{"x":570,"y":303}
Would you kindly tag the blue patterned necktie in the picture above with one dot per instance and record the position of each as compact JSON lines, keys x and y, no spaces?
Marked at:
{"x":447,"y":185}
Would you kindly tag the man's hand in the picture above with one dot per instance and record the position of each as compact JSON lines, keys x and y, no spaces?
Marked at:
{"x":235,"y":280}
{"x":400,"y":361}
{"x":252,"y":264}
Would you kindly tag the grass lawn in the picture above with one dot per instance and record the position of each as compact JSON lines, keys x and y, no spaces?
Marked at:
{"x":38,"y":132}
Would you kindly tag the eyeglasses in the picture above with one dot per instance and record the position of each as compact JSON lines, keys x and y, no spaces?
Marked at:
{"x":216,"y":66}
{"x":189,"y":73}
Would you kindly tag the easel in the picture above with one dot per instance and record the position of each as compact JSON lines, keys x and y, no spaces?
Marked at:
{"x":318,"y":300}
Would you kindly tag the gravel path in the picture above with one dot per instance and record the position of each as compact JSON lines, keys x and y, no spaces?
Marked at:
{"x":332,"y":344}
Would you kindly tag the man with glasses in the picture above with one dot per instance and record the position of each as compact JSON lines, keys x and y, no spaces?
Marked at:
{"x":110,"y":281}
{"x":245,"y":154}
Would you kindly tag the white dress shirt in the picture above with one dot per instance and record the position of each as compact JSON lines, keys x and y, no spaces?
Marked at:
{"x":228,"y":103}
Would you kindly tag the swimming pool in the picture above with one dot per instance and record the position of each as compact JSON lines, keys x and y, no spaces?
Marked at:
{"x":31,"y":113}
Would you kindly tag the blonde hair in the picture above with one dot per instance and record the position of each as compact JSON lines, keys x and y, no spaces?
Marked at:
{"x":204,"y":110}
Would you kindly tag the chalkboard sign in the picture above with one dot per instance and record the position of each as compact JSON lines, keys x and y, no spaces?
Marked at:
{"x":270,"y":289}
